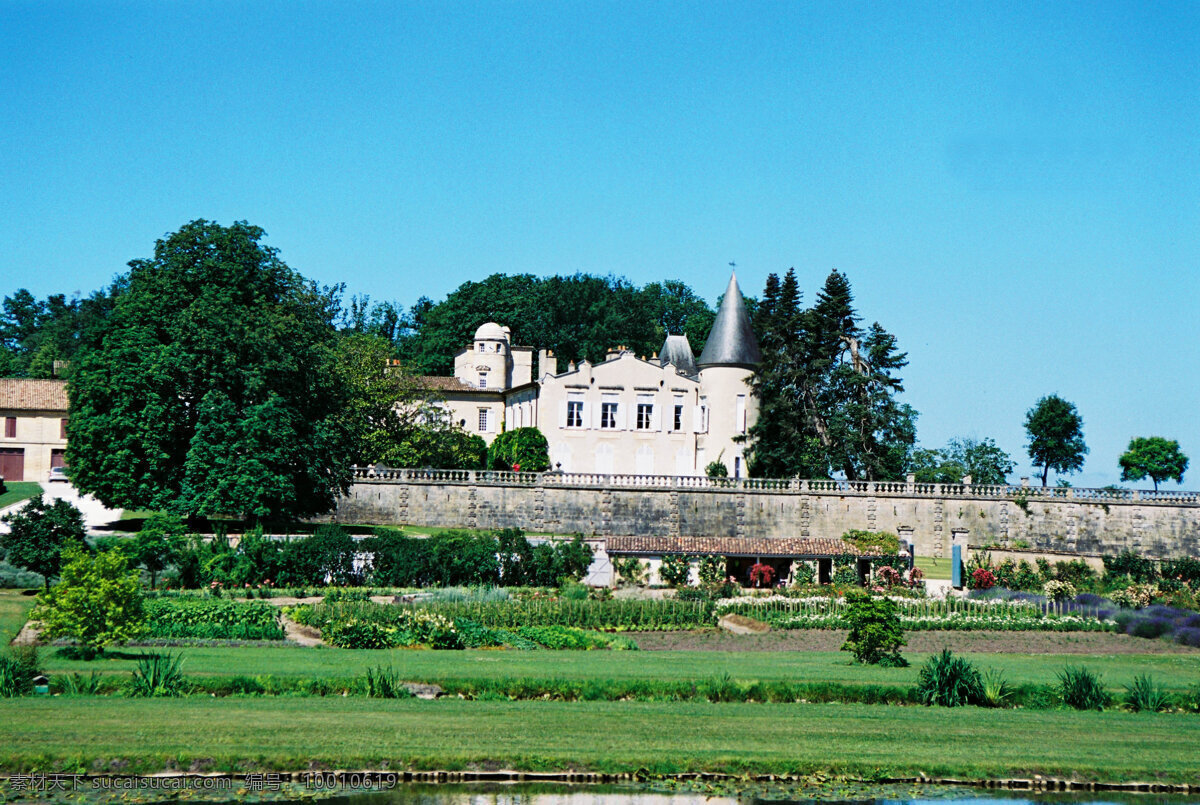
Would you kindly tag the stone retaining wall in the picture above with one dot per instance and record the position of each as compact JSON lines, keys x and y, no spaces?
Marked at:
{"x":1095,"y":521}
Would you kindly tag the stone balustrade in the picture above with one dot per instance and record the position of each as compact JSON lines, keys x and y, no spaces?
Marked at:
{"x":1010,"y":492}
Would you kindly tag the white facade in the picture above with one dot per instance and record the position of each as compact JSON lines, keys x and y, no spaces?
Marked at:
{"x":626,"y":415}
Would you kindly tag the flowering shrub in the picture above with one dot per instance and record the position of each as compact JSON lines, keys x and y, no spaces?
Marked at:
{"x":889,"y":576}
{"x":915,"y":577}
{"x":761,"y":575}
{"x":1059,"y":590}
{"x":982,"y":579}
{"x":1135,"y":596}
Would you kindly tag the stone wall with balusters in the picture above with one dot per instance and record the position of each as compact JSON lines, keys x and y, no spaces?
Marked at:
{"x":1158,"y":524}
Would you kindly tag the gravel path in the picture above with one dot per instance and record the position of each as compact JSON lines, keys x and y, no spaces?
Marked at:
{"x":921,"y":641}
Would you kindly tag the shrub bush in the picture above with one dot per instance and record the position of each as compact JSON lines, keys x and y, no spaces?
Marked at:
{"x":158,"y":675}
{"x":803,"y":574}
{"x":949,"y":681}
{"x":981,"y":579}
{"x":1132,"y":564}
{"x":675,"y":569}
{"x":17,"y":669}
{"x":97,"y":601}
{"x":1080,"y":688}
{"x":1059,"y":590}
{"x":886,"y":542}
{"x":384,"y":683}
{"x":523,"y":448}
{"x":711,"y":569}
{"x":1145,"y":694}
{"x":875,"y":634}
{"x":355,"y":633}
{"x":996,"y":690}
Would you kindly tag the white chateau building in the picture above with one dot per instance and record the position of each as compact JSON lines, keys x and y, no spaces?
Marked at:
{"x":670,"y":415}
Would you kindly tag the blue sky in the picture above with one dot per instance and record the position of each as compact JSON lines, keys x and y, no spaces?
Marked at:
{"x":1013,"y":189}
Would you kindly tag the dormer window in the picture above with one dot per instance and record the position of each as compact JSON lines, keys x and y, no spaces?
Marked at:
{"x":482,"y":346}
{"x":483,"y":377}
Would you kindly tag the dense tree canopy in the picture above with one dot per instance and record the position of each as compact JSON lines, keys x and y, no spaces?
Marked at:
{"x":214,"y":389}
{"x":37,"y":334}
{"x":39,"y":532}
{"x":828,"y":390}
{"x":986,"y":463}
{"x":1055,"y":431}
{"x":1154,"y":457}
{"x":578,"y":316}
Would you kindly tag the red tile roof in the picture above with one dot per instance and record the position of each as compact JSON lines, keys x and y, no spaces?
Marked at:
{"x":733,"y":546}
{"x":23,"y":394}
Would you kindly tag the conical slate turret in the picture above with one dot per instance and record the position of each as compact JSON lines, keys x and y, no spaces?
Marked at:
{"x":731,"y":342}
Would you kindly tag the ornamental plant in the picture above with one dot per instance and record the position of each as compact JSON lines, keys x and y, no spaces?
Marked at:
{"x":875,"y":635}
{"x":761,"y":575}
{"x":949,"y":681}
{"x":1059,"y":590}
{"x":97,"y":601}
{"x":982,"y":579}
{"x":675,"y":569}
{"x":888,"y":576}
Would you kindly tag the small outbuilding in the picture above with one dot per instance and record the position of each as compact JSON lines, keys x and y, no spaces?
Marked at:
{"x":742,"y":553}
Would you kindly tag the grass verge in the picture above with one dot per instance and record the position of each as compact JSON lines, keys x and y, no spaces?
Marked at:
{"x":71,"y":735}
{"x":18,"y":491}
{"x":1176,"y":672}
{"x":14,"y":611}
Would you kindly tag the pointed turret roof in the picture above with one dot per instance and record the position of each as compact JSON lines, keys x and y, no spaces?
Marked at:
{"x":677,"y":351}
{"x":731,"y":342}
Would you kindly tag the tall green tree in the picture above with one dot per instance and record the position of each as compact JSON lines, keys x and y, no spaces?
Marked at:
{"x":982,"y":459}
{"x":1154,"y":457}
{"x":214,"y":389}
{"x":39,"y":532}
{"x":1055,"y":431}
{"x":828,"y":390}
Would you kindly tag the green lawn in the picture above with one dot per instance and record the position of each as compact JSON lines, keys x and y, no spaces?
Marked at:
{"x":70,"y":734}
{"x":18,"y":491}
{"x":933,"y":567}
{"x":1173,"y":671}
{"x":14,"y":611}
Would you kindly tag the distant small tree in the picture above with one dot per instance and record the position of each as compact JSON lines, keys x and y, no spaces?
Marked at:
{"x":38,"y":533}
{"x":716,"y":469}
{"x":97,"y":601}
{"x":1055,"y":432}
{"x":156,"y":544}
{"x":522,"y":447}
{"x":875,"y":635}
{"x":1154,"y":457}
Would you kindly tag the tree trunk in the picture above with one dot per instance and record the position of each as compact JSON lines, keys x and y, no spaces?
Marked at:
{"x":1045,"y":474}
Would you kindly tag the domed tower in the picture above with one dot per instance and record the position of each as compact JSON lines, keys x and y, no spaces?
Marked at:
{"x":730,"y":357}
{"x":489,"y":363}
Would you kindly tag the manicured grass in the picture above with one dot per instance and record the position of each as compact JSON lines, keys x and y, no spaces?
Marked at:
{"x":18,"y":491}
{"x":933,"y":567}
{"x":14,"y":611}
{"x":69,"y":734}
{"x":1173,"y":671}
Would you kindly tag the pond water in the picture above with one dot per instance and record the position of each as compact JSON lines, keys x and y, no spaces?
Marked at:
{"x":831,"y":792}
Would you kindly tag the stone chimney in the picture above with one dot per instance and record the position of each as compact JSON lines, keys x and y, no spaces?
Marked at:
{"x":547,"y":363}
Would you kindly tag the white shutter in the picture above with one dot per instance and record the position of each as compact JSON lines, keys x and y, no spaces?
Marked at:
{"x":698,"y":420}
{"x":596,"y":415}
{"x":562,"y":414}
